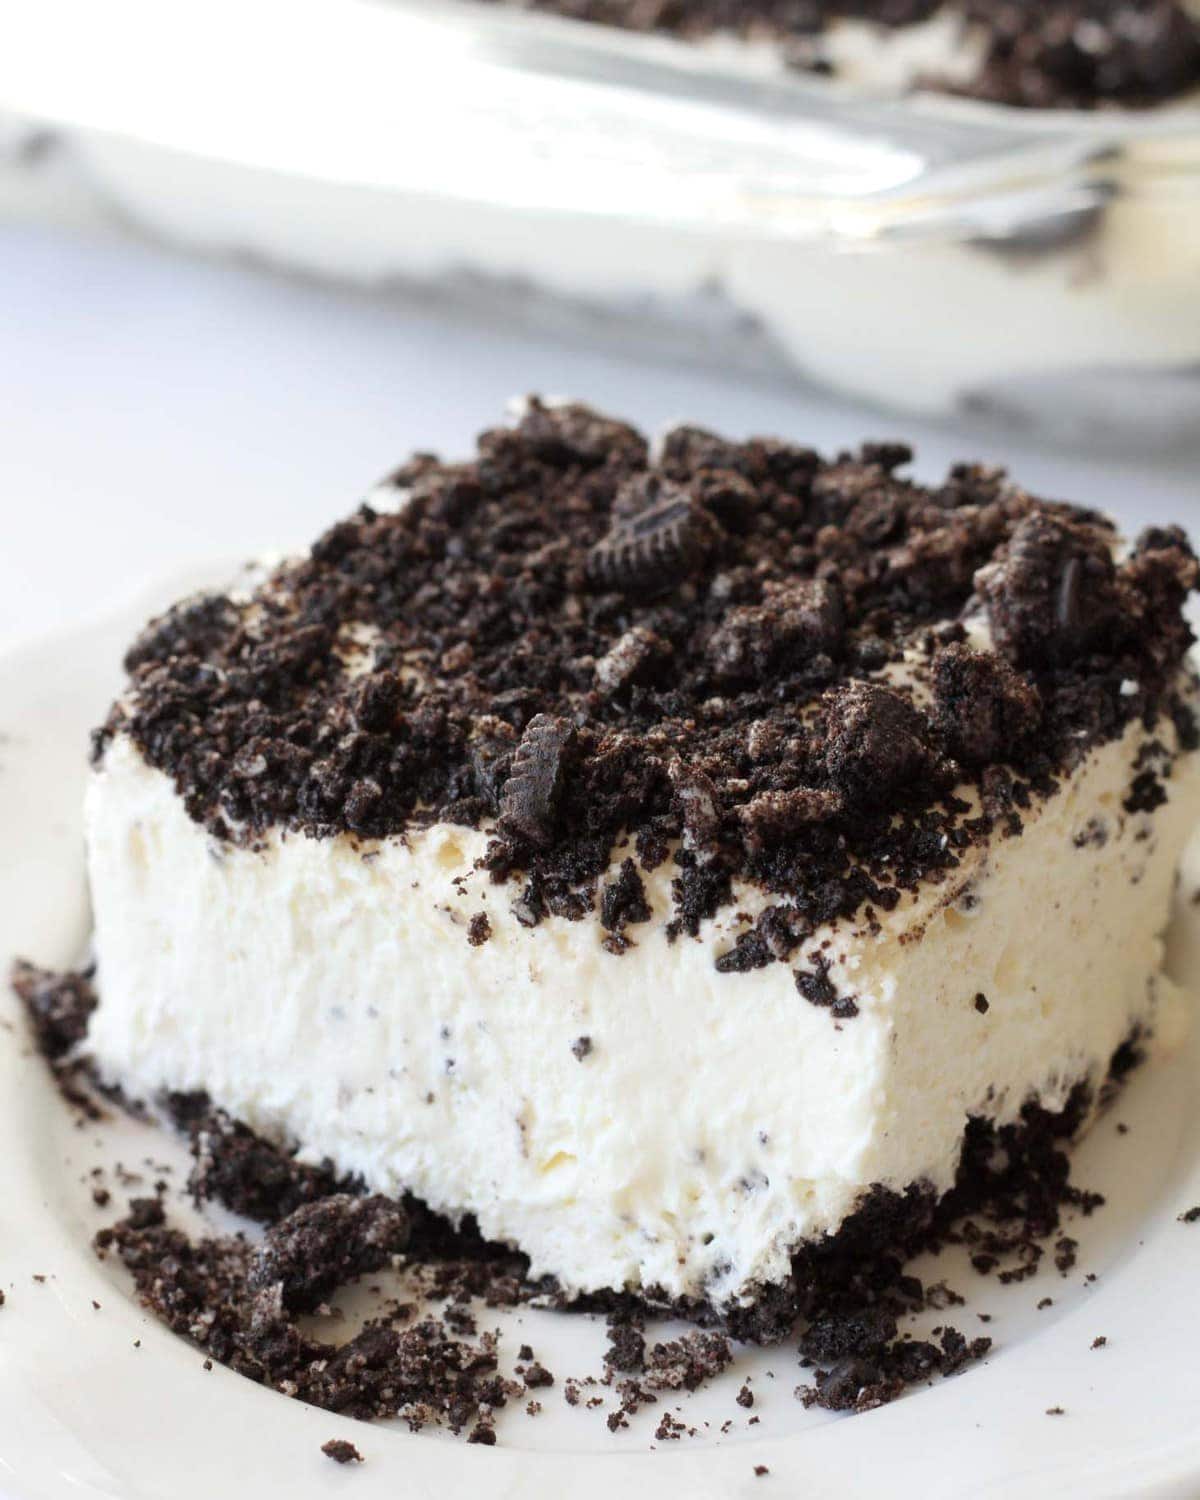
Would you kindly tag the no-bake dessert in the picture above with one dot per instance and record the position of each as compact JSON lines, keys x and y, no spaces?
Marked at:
{"x":677,"y":862}
{"x":1044,"y":54}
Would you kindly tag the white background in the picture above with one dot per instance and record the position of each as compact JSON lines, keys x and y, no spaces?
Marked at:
{"x":156,"y":411}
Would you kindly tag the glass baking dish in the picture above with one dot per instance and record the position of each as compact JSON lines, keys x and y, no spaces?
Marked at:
{"x":924,"y":253}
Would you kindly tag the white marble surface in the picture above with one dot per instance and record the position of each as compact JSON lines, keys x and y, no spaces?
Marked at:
{"x":156,"y":411}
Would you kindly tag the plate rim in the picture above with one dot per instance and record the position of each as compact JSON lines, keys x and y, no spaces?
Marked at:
{"x":50,"y":1334}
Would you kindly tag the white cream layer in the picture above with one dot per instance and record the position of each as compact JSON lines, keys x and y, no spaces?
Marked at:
{"x":325,"y":991}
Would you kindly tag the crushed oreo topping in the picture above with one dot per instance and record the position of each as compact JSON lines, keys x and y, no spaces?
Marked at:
{"x":797,"y":624}
{"x":658,"y":538}
{"x":626,"y":1344}
{"x":240,"y":1169}
{"x":582,"y":651}
{"x":1052,"y":593}
{"x":529,"y":798}
{"x":205,"y":1289}
{"x":623,"y":899}
{"x":1039,"y":54}
{"x":341,"y":1451}
{"x":818,"y":989}
{"x":58,"y":1005}
{"x":876,"y":742}
{"x":984,"y":709}
{"x":324,"y":1244}
{"x":637,"y":659}
{"x":58,"y":1008}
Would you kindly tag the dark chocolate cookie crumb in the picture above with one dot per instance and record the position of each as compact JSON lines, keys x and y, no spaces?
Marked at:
{"x":637,"y":659}
{"x":1052,"y":595}
{"x":981,"y":1004}
{"x":325,"y":1244}
{"x":341,"y":1451}
{"x":659,"y":537}
{"x":876,"y":742}
{"x":479,"y":929}
{"x":59,"y":1007}
{"x":530,"y":796}
{"x":626,"y":1346}
{"x":240,"y":1169}
{"x":686,"y":1363}
{"x":983,"y":708}
{"x":795,"y":623}
{"x":818,"y":989}
{"x":1145,"y":794}
{"x":207,"y":1290}
{"x":582,"y":1047}
{"x":623,"y":900}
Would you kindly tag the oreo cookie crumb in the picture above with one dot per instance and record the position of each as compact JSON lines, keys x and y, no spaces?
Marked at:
{"x":582,"y":1047}
{"x":659,"y":537}
{"x":623,"y":900}
{"x":479,"y":929}
{"x":876,"y":742}
{"x":818,"y":989}
{"x":687,"y":1362}
{"x":58,"y":1006}
{"x":341,"y":1451}
{"x":325,"y":1244}
{"x":208,"y":1290}
{"x":626,"y":1346}
{"x":530,"y":796}
{"x":984,"y":709}
{"x":241,"y":1170}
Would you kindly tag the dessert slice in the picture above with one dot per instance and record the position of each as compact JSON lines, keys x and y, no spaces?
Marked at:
{"x":660,"y":858}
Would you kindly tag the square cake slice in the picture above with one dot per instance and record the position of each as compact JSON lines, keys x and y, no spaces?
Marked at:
{"x":660,"y":858}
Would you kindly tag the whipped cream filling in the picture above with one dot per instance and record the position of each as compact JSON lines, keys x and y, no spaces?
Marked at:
{"x":326,"y":992}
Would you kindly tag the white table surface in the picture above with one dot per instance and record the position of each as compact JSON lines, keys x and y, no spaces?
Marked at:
{"x":156,"y":411}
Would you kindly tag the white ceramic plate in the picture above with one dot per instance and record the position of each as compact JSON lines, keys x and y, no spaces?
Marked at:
{"x":86,"y":1413}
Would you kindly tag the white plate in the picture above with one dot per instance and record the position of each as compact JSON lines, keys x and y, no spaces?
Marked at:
{"x":85,"y":1413}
